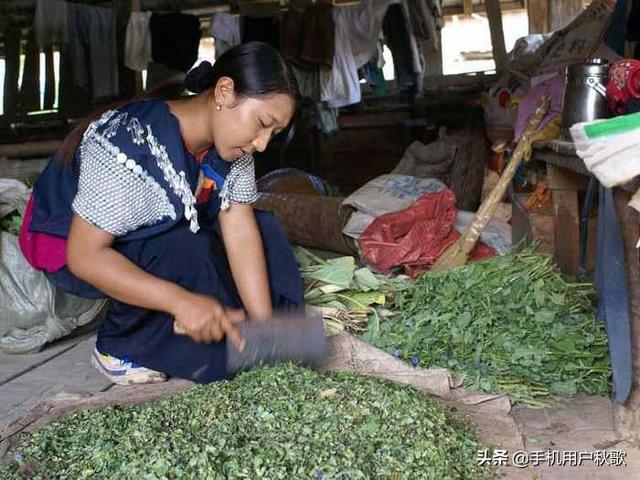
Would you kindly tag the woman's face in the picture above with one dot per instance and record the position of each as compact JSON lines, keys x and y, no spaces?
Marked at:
{"x":246,"y":125}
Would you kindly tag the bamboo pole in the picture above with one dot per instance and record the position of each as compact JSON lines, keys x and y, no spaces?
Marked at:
{"x":458,"y":253}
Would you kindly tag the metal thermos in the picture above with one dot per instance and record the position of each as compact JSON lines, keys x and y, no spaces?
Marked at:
{"x":585,"y":94}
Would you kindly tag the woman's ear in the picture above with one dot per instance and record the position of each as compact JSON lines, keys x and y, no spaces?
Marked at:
{"x":224,"y":93}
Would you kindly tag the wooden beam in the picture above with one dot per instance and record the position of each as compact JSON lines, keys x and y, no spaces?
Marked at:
{"x":30,"y":88}
{"x":538,"y":13}
{"x":12,"y":71}
{"x":562,"y":13}
{"x":549,"y":15}
{"x":480,"y":8}
{"x":494,"y":14}
{"x":467,"y":7}
{"x":126,"y":76}
{"x":29,"y":149}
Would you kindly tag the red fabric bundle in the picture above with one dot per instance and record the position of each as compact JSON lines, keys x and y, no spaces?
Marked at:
{"x":415,"y":237}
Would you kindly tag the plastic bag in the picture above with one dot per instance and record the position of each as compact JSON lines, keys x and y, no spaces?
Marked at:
{"x":33,"y":311}
{"x":415,"y":237}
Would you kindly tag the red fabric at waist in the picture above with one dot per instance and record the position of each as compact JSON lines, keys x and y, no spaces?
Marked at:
{"x":42,"y":251}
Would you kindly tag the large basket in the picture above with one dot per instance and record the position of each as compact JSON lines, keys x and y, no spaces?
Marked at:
{"x":310,"y":221}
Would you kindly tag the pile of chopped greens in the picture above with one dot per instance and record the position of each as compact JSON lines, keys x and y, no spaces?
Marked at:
{"x":512,"y":324}
{"x":281,"y":422}
{"x":348,"y":296}
{"x":11,"y":223}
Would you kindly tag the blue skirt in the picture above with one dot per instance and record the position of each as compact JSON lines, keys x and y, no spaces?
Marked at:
{"x":198,"y":263}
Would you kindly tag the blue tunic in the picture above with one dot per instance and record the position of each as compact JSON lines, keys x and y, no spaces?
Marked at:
{"x":133,"y":177}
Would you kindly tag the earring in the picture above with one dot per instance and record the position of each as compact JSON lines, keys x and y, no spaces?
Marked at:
{"x":218,"y":106}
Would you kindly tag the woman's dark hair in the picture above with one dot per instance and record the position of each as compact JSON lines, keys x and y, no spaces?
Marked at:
{"x":256,"y":68}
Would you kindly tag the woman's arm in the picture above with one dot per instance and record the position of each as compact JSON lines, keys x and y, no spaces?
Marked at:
{"x":243,"y":244}
{"x":91,"y":258}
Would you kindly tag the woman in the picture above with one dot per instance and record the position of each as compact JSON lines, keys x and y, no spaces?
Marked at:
{"x":150,"y":205}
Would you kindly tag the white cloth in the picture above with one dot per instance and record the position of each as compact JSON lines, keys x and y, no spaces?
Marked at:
{"x":137,"y":48}
{"x":225,"y":28}
{"x":357,"y":29}
{"x":51,"y":22}
{"x":340,"y":86}
{"x":613,"y":158}
{"x":365,"y":24}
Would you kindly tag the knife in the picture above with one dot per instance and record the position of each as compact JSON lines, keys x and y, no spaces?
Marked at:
{"x":287,"y":336}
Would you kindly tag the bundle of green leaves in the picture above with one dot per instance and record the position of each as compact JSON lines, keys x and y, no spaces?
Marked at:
{"x":281,"y":422}
{"x":512,"y":324}
{"x":348,"y":296}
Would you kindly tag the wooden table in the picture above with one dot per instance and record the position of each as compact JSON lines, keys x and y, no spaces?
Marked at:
{"x":568,"y":178}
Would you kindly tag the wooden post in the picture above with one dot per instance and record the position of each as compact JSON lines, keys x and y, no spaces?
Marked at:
{"x":494,"y":14}
{"x":538,"y":12}
{"x":50,"y":79}
{"x":549,"y":15}
{"x":565,"y":185}
{"x":628,"y":415}
{"x":30,"y":88}
{"x":126,"y":76}
{"x":562,"y":13}
{"x":467,"y":7}
{"x":12,"y":70}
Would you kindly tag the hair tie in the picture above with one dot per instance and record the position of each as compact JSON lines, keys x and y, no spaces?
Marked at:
{"x":200,"y":78}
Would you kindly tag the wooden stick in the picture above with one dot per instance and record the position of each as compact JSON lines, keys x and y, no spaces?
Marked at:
{"x":457,"y":254}
{"x":494,"y":14}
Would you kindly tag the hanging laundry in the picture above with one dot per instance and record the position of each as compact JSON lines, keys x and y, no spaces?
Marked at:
{"x":137,"y":48}
{"x":309,"y":35}
{"x":340,"y":86}
{"x":92,"y":49}
{"x":357,"y":29}
{"x":372,"y":73}
{"x":225,"y":29}
{"x":50,"y":22}
{"x":417,"y":58}
{"x":398,"y":36}
{"x":175,"y":40}
{"x":327,"y":119}
{"x":262,"y":29}
{"x":308,"y":82}
{"x":365,"y":25}
{"x":427,"y":20}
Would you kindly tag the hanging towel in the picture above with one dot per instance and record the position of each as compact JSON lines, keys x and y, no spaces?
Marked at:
{"x":51,"y":22}
{"x":137,"y":49}
{"x":92,"y":49}
{"x":225,"y":29}
{"x":309,"y":38}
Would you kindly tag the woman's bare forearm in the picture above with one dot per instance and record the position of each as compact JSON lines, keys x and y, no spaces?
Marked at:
{"x":91,"y":258}
{"x":245,"y":252}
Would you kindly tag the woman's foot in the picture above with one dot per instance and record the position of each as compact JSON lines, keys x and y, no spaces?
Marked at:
{"x":124,"y":371}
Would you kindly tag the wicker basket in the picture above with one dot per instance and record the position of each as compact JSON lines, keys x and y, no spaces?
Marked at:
{"x":310,"y":221}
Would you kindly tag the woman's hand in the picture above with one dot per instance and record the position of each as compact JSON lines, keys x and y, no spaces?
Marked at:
{"x":205,"y":320}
